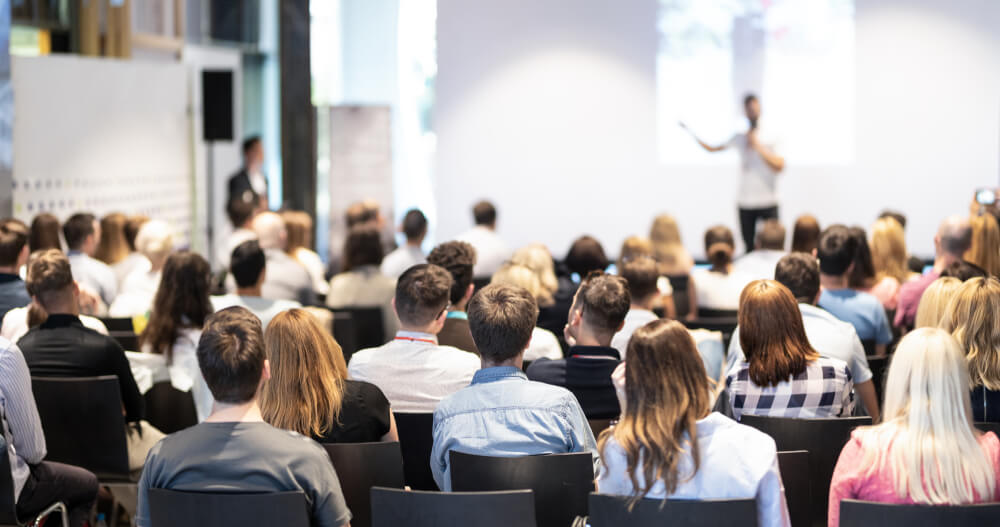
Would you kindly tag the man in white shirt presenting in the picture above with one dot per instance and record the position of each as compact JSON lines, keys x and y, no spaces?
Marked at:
{"x":759,"y":168}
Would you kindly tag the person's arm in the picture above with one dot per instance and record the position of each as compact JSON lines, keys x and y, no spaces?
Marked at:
{"x":866,"y":392}
{"x":439,"y":456}
{"x":580,"y":434}
{"x":131,"y":396}
{"x":773,"y":160}
{"x":19,"y":410}
{"x":772,"y":509}
{"x":706,"y":146}
{"x":392,"y":434}
{"x":692,"y":300}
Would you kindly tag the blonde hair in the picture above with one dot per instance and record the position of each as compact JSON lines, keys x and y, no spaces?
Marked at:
{"x":888,"y":248}
{"x":935,"y":457}
{"x":155,"y":240}
{"x":934,"y":302}
{"x":537,"y":257}
{"x":633,"y":248}
{"x":113,"y":246}
{"x":300,"y":230}
{"x":306,"y":388}
{"x":985,"y":248}
{"x":522,"y":276}
{"x":972,"y":318}
{"x":668,"y":249}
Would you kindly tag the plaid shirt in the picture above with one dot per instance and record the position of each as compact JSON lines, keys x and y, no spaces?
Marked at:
{"x":823,"y":389}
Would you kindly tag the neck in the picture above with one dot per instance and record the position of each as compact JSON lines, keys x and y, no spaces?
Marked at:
{"x":833,"y":281}
{"x":644,"y":305}
{"x":943,"y":260}
{"x":11,"y":269}
{"x":429,"y":330}
{"x":587,"y":337}
{"x":63,"y":309}
{"x":722,"y":268}
{"x":517,"y":362}
{"x":414,"y":243}
{"x":247,"y":412}
{"x":248,"y":291}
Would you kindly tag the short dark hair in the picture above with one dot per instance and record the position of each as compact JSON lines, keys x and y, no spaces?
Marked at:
{"x":414,"y":224}
{"x":77,"y":228}
{"x":750,"y":96}
{"x":247,"y":263}
{"x":249,"y":143}
{"x":641,"y":274}
{"x":13,"y":238}
{"x":799,"y":272}
{"x":484,"y":213}
{"x":501,"y":319}
{"x":458,"y":258}
{"x":239,"y":210}
{"x":360,"y":213}
{"x":604,"y":300}
{"x":422,"y":293}
{"x":894,"y":214}
{"x":363,"y":246}
{"x":836,"y":250}
{"x":719,"y":245}
{"x":771,"y":236}
{"x":231,"y":354}
{"x":586,"y":255}
{"x":964,"y":270}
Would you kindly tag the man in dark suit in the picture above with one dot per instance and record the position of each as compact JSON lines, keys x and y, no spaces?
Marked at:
{"x":249,"y":183}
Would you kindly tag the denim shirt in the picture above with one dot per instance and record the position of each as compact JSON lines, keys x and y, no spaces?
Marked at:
{"x":504,"y":414}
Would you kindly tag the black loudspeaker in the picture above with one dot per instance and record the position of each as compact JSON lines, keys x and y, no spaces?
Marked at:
{"x":217,"y":105}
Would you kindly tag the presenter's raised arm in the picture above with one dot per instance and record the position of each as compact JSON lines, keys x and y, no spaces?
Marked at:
{"x":703,"y":144}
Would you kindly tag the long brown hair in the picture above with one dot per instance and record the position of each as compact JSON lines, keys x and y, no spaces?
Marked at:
{"x":666,"y":393}
{"x":181,"y":301}
{"x":306,"y":388}
{"x":772,"y":335}
{"x":113,"y":246}
{"x":44,"y":233}
{"x":299,"y":226}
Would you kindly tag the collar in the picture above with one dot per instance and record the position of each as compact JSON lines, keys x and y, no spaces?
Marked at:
{"x":74,"y":252}
{"x":593,"y":352}
{"x":459,"y":315}
{"x":416,"y":336}
{"x":498,"y":373}
{"x":61,"y":320}
{"x":7,"y":277}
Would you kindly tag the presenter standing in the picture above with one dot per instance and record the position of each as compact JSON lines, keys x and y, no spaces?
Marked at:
{"x":759,"y":168}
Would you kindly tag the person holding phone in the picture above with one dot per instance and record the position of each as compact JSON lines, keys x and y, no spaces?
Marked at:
{"x":760,"y":165}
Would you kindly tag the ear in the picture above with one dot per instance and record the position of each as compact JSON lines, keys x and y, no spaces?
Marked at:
{"x":266,"y":374}
{"x":442,"y":317}
{"x":468,"y":292}
{"x":815,"y":253}
{"x":620,"y":326}
{"x":575,"y":317}
{"x":394,"y":310}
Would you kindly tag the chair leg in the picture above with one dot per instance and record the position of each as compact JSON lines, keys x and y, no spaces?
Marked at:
{"x":55,"y":507}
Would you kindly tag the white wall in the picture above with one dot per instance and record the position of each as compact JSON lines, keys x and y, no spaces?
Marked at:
{"x":548,"y":108}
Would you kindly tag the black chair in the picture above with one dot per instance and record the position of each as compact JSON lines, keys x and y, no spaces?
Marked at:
{"x":704,"y":312}
{"x":8,"y":504}
{"x":599,"y":425}
{"x":613,"y":511}
{"x":416,"y":439}
{"x":361,"y":466}
{"x":399,"y":508}
{"x":879,"y":367}
{"x":868,"y":514}
{"x":561,"y":482}
{"x":127,"y":340}
{"x":171,"y":508}
{"x":869,"y":346}
{"x":118,"y":324}
{"x":794,"y":468}
{"x":823,"y":438}
{"x":989,"y":427}
{"x":367,"y":327}
{"x":169,"y":409}
{"x":479,"y":283}
{"x":344,"y":333}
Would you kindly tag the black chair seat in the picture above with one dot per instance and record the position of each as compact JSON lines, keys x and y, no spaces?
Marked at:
{"x":118,"y":324}
{"x":855,"y":513}
{"x":170,"y":508}
{"x":416,"y":439}
{"x":794,"y":468}
{"x":361,"y":466}
{"x":613,"y":511}
{"x":399,"y":508}
{"x":169,"y":409}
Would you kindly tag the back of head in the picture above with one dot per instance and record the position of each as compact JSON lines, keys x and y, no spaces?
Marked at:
{"x":231,"y":355}
{"x":771,"y":236}
{"x":805,"y":235}
{"x":603,"y":301}
{"x":888,"y":249}
{"x":668,"y":249}
{"x":361,"y":213}
{"x":934,"y":302}
{"x":836,"y":251}
{"x":270,"y":229}
{"x":249,"y":144}
{"x":955,"y":236}
{"x":641,"y":275}
{"x":484,"y":213}
{"x":299,"y":227}
{"x":635,"y":247}
{"x":862,"y":275}
{"x":772,"y":335}
{"x":44,"y":233}
{"x":985,"y":247}
{"x":113,"y":247}
{"x":247,"y":263}
{"x":537,"y":257}
{"x":972,"y":318}
{"x":13,"y":240}
{"x":586,"y":255}
{"x":719,"y":245}
{"x":524,"y":277}
{"x":306,"y":388}
{"x":49,"y":279}
{"x":182,"y":300}
{"x":77,"y":228}
{"x":964,"y":271}
{"x":155,"y":240}
{"x":362,"y":247}
{"x":132,"y":225}
{"x":422,"y":294}
{"x":896,"y":215}
{"x":502,"y":318}
{"x":414,"y":225}
{"x":799,"y":272}
{"x":240,"y":212}
{"x":458,"y":258}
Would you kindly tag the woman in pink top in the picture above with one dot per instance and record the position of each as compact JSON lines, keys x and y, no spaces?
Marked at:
{"x":926,"y":449}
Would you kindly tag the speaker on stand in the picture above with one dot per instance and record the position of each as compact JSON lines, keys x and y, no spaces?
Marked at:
{"x":217,"y":125}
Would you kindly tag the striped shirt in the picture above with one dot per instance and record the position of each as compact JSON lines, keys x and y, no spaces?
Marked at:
{"x":823,"y":389}
{"x":22,"y":428}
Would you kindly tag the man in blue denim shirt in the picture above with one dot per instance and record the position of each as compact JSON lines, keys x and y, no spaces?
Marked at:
{"x":502,"y":413}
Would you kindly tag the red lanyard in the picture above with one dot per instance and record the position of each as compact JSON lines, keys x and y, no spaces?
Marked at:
{"x":412,"y":339}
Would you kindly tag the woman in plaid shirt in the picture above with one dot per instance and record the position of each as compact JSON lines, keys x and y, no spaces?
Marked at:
{"x":783,"y":376}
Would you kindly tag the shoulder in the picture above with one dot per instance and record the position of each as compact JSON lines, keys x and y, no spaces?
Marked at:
{"x":543,"y":367}
{"x":832,"y":367}
{"x":364,"y":390}
{"x":460,"y":357}
{"x":544,"y":336}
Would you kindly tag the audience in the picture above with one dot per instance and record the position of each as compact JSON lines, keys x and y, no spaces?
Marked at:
{"x":299,"y":226}
{"x":926,"y":450}
{"x":641,"y":275}
{"x":538,"y":259}
{"x":837,"y":258}
{"x":44,"y":233}
{"x":544,"y":343}
{"x":952,"y":240}
{"x":257,"y":456}
{"x":805,"y":234}
{"x":83,"y":235}
{"x":240,"y":215}
{"x":585,"y":255}
{"x":964,"y":271}
{"x":718,"y":288}
{"x":13,"y":256}
{"x":984,"y":249}
{"x":769,"y":247}
{"x":155,"y":241}
{"x":502,"y":413}
{"x":287,"y":279}
{"x":666,"y":400}
{"x":134,"y":260}
{"x":458,"y":258}
{"x":675,"y":264}
{"x":249,"y":268}
{"x":309,"y":391}
{"x":783,"y":375}
{"x":414,"y":227}
{"x":934,"y":303}
{"x":635,"y":247}
{"x":971,"y":317}
{"x":888,"y":250}
{"x":598,"y":312}
{"x":113,"y":249}
{"x":862,"y":274}
{"x":361,"y":283}
{"x":914,"y":264}
{"x":491,"y":251}
{"x":413,"y":370}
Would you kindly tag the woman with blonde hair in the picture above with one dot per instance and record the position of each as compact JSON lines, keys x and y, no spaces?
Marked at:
{"x":675,"y":265}
{"x":934,"y":302}
{"x":972,"y":318}
{"x":926,"y":450}
{"x":889,"y":259}
{"x":666,"y":400}
{"x":538,"y":258}
{"x":544,"y":343}
{"x":299,"y":226}
{"x":155,"y":241}
{"x":309,"y":391}
{"x":985,"y":249}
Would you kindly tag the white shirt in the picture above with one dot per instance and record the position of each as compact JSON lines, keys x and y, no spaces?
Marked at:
{"x":264,"y":308}
{"x":401,"y":259}
{"x":314,"y":265}
{"x":634,"y":319}
{"x":183,"y":373}
{"x":757,"y":178}
{"x":225,"y":251}
{"x":132,"y":262}
{"x":828,"y":335}
{"x":414,"y":371}
{"x":258,"y":182}
{"x":94,"y":274}
{"x":136,"y":295}
{"x":718,"y":291}
{"x":544,"y":344}
{"x":736,"y":461}
{"x":758,"y":264}
{"x":15,"y":324}
{"x":491,"y":251}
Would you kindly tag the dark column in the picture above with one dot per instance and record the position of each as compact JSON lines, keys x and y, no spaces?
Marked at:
{"x":298,"y":118}
{"x":6,"y":116}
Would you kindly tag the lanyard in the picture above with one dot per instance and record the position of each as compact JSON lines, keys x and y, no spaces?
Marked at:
{"x":413,"y":339}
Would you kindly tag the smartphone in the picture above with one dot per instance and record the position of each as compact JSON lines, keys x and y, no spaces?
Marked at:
{"x":986,"y":196}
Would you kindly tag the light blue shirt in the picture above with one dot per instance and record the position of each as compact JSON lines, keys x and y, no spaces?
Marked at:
{"x":736,"y":461}
{"x":95,"y":275}
{"x":504,"y":414}
{"x":861,"y":310}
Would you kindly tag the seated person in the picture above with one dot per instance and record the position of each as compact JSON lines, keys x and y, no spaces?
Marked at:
{"x":972,"y":319}
{"x":598,"y":313}
{"x":718,"y":287}
{"x":13,"y":255}
{"x":458,"y":258}
{"x":155,"y":241}
{"x":544,"y":343}
{"x":503,"y":413}
{"x":257,"y":457}
{"x":240,"y":215}
{"x":361,"y":282}
{"x":641,"y":275}
{"x":413,"y":370}
{"x":953,"y":239}
{"x":783,"y":376}
{"x":491,"y":250}
{"x":414,"y":227}
{"x":83,"y":234}
{"x":287,"y":279}
{"x":668,"y":402}
{"x":769,"y":247}
{"x":248,"y":265}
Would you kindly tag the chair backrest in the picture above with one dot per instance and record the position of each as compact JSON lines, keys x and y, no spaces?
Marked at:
{"x":169,"y":409}
{"x":83,"y":423}
{"x":127,"y":340}
{"x":613,"y":511}
{"x":709,"y":313}
{"x":823,"y":438}
{"x":794,"y":468}
{"x":361,"y":466}
{"x":400,"y":508}
{"x":989,"y":427}
{"x":561,"y":482}
{"x":879,"y":367}
{"x":367,"y":326}
{"x":344,"y":333}
{"x":118,"y":324}
{"x":868,"y":514}
{"x":416,"y":438}
{"x":171,"y":508}
{"x":8,"y":505}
